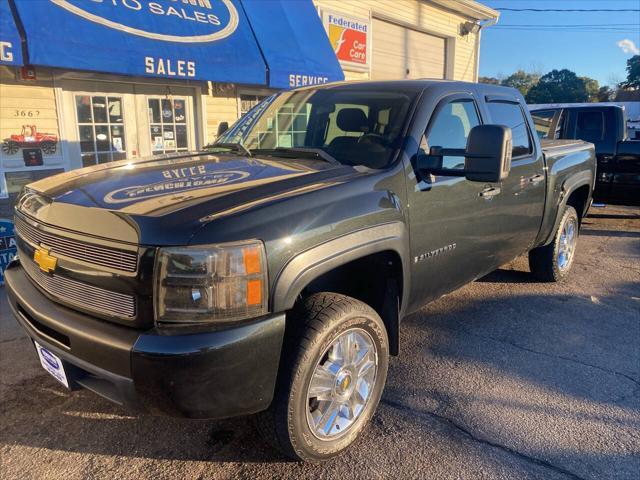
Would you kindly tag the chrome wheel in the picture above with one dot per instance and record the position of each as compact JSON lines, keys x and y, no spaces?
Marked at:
{"x":341,"y":384}
{"x":567,"y":245}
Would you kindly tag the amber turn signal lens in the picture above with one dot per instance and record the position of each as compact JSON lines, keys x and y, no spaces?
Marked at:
{"x":254,"y":292}
{"x":251,"y":260}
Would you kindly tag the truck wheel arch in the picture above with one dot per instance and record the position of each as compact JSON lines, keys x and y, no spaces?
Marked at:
{"x":573,"y":189}
{"x":307,"y":266}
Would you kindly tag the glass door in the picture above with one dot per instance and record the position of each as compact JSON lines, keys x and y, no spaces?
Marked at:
{"x":101,"y":129}
{"x":98,"y":122}
{"x":168,"y":124}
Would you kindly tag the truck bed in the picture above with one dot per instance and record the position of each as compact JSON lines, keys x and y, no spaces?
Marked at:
{"x":568,"y":162}
{"x":553,"y":147}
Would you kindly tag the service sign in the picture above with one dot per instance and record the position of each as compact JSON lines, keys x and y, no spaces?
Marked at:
{"x":8,"y":246}
{"x":183,"y":39}
{"x":350,"y":38}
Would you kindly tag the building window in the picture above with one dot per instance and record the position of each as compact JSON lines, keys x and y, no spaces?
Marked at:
{"x":168,"y":125}
{"x":100,"y":128}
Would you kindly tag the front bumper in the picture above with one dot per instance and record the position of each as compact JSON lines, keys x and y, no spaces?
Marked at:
{"x":181,"y":371}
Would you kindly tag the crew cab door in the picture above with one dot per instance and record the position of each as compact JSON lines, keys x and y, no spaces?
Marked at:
{"x":523,"y":191}
{"x":454,"y":223}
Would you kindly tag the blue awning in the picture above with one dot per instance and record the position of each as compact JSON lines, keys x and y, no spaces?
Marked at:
{"x":193,"y":39}
{"x":278,"y":43}
{"x":10,"y":43}
{"x":294,"y":43}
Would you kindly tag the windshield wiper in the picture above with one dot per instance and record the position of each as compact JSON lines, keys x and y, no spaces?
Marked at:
{"x":292,"y":152}
{"x":236,"y":147}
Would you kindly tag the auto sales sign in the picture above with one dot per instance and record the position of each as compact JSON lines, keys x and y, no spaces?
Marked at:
{"x":188,"y":39}
{"x":350,"y":38}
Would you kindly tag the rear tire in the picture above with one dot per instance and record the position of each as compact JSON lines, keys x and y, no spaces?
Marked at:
{"x":553,"y":262}
{"x":332,"y":374}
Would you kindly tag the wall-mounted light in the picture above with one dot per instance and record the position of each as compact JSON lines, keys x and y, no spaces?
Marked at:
{"x":469,"y":27}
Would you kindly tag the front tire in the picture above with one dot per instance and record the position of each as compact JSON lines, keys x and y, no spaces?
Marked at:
{"x":552,"y":262}
{"x":333,"y":372}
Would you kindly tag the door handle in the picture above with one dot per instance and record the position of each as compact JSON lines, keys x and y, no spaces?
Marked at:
{"x":536,"y":178}
{"x":490,"y":192}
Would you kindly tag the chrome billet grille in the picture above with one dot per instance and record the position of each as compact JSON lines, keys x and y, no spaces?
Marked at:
{"x":87,"y":252}
{"x":82,"y":295}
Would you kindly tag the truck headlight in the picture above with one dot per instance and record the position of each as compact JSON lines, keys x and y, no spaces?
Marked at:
{"x":210,"y":283}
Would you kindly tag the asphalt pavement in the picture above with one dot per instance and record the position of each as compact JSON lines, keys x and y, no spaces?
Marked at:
{"x":504,"y":378}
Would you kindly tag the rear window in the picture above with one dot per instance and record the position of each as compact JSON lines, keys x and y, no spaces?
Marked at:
{"x":590,"y":126}
{"x":542,"y":120}
{"x":510,"y":115}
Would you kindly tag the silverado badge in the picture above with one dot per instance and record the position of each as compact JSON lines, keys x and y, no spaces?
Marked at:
{"x":46,"y":262}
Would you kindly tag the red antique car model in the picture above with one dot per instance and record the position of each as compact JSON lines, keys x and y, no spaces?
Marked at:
{"x":30,"y":138}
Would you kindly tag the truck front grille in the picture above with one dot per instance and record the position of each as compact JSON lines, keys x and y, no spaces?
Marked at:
{"x":88,"y":252}
{"x":78,"y":294}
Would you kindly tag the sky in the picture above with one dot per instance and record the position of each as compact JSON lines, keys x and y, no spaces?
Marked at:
{"x":598,"y":48}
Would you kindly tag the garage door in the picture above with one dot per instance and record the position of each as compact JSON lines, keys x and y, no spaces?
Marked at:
{"x":400,"y":52}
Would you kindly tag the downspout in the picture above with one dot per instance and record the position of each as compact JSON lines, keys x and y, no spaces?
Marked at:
{"x":490,"y":23}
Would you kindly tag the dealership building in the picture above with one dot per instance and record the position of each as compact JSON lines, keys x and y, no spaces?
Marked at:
{"x":86,"y":82}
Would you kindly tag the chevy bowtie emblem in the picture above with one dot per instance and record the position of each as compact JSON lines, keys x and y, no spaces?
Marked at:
{"x":46,"y":262}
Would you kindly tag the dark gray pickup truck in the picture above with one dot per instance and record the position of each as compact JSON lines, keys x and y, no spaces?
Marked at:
{"x":604,"y":125}
{"x":270,"y":273}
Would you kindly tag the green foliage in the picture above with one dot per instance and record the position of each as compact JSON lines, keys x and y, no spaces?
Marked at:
{"x":605,"y":94}
{"x":522,"y":81}
{"x":592,"y":87}
{"x":633,"y":73}
{"x":558,"y":86}
{"x":489,"y":80}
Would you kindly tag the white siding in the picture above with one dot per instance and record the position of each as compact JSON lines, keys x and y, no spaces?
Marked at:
{"x":401,"y":52}
{"x":423,"y":16}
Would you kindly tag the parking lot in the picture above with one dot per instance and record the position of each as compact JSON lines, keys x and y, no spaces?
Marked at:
{"x":505,"y":378}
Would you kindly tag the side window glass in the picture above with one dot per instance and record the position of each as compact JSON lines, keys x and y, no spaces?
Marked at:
{"x":510,"y":115}
{"x":542,"y":119}
{"x":450,"y":129}
{"x":590,"y":126}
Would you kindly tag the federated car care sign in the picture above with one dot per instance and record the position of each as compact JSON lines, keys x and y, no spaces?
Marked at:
{"x":187,"y":39}
{"x":349,"y":37}
{"x":7,"y":245}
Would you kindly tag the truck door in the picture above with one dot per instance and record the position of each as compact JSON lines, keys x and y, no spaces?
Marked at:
{"x":455,"y":223}
{"x":523,"y":191}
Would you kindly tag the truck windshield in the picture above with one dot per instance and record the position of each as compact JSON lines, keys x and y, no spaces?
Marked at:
{"x":352,"y":126}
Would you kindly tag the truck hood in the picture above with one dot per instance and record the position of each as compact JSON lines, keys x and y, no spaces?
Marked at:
{"x":164,"y":200}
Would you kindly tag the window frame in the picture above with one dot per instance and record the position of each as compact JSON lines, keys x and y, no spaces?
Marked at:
{"x":173,"y":123}
{"x":93,"y":124}
{"x":509,"y":101}
{"x":442,"y":103}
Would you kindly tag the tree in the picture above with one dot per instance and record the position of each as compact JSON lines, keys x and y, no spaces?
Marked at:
{"x":605,"y":94}
{"x":558,"y":86}
{"x":521,"y":80}
{"x":489,"y":80}
{"x":633,"y":73}
{"x":592,"y":87}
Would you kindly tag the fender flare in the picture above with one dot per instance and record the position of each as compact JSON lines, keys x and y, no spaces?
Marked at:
{"x":314,"y":262}
{"x":568,"y":187}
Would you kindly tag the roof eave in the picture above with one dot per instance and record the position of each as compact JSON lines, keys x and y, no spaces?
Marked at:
{"x":470,"y":8}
